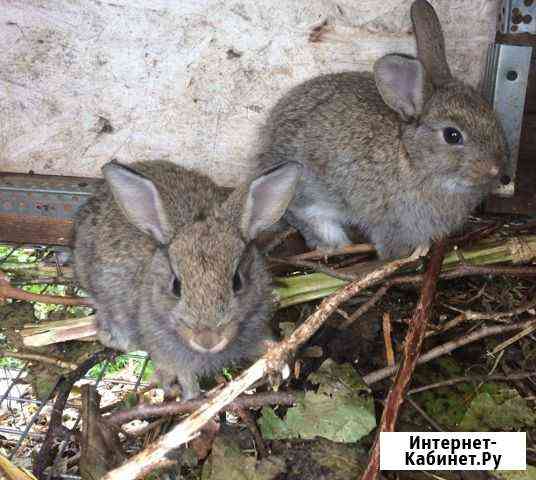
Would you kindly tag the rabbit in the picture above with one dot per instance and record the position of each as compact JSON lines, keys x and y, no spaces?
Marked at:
{"x":169,"y":261}
{"x":403,"y":153}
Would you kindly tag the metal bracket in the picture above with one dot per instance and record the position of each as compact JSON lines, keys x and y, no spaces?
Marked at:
{"x":44,"y":196}
{"x":506,"y":77}
{"x":505,"y":86}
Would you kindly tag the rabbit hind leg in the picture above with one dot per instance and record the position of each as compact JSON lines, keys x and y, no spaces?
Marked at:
{"x":320,"y":225}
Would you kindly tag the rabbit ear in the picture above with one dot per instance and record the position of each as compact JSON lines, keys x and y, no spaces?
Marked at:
{"x":402,"y":84}
{"x":268,"y":197}
{"x":430,"y":42}
{"x":139,"y":200}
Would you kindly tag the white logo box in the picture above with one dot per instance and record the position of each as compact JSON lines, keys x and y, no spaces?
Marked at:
{"x":453,"y":451}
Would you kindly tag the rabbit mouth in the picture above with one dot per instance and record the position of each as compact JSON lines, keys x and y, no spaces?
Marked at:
{"x":204,"y":349}
{"x":209,"y":339}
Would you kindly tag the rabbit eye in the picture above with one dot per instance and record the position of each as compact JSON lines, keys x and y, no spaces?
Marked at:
{"x":452,"y":136}
{"x":176,"y":287}
{"x":237,"y":282}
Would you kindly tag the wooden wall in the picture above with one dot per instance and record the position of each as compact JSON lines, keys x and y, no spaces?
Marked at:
{"x":83,"y":81}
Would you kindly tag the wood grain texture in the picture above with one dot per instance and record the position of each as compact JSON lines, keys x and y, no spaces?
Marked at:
{"x":34,"y":230}
{"x":191,"y":81}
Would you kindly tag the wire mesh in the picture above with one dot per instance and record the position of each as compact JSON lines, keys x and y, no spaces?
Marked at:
{"x":24,"y":419}
{"x":20,"y":438}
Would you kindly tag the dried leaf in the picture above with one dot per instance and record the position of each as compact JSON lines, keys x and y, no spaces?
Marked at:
{"x":228,"y":462}
{"x":342,"y":409}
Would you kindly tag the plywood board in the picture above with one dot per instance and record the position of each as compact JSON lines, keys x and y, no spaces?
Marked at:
{"x":84,"y":81}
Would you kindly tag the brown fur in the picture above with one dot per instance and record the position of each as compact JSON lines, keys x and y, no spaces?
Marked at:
{"x":129,"y":275}
{"x":373,"y":150}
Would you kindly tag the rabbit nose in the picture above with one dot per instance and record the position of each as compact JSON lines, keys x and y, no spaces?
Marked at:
{"x":494,"y":171}
{"x":208,"y":341}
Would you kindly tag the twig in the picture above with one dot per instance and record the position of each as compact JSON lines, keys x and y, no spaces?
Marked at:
{"x":47,"y":333}
{"x":448,"y":347}
{"x":475,"y":235}
{"x":389,"y":352}
{"x":446,"y":326}
{"x":316,"y":266}
{"x":46,"y":454}
{"x":249,"y":422}
{"x":347,"y":250}
{"x":7,"y":291}
{"x":423,"y":414}
{"x":497,"y":316}
{"x":412,"y":349}
{"x":475,"y":378}
{"x":458,"y":272}
{"x":514,"y":339}
{"x":367,"y":305}
{"x":58,"y":362}
{"x":149,"y":459}
{"x":36,"y":269}
{"x":171,"y":408}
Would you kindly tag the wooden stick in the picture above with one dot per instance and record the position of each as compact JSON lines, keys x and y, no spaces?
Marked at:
{"x":412,"y":350}
{"x":476,"y":378}
{"x":320,"y":254}
{"x":149,"y":459}
{"x":7,"y":291}
{"x":172,"y":408}
{"x":496,"y":316}
{"x":387,"y":340}
{"x":58,"y":362}
{"x":448,"y":347}
{"x":514,"y":339}
{"x":59,"y":331}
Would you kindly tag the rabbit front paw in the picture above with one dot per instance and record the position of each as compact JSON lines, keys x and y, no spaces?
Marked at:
{"x":184,"y":385}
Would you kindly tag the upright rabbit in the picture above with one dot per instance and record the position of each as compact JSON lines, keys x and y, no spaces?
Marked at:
{"x":168,"y":258}
{"x":404,"y":153}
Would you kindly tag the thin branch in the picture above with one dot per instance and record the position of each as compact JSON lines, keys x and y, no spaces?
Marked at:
{"x":64,"y":385}
{"x":448,"y":347}
{"x":249,"y":422}
{"x":46,"y":333}
{"x":458,"y":272}
{"x":412,"y":349}
{"x":273,"y":361}
{"x":295,"y":290}
{"x":58,"y":362}
{"x":316,"y":266}
{"x":380,"y":293}
{"x":514,"y":339}
{"x":347,"y":250}
{"x":424,"y":415}
{"x":474,"y":378}
{"x":497,"y":316}
{"x":143,"y":411}
{"x":7,"y":291}
{"x":388,"y":341}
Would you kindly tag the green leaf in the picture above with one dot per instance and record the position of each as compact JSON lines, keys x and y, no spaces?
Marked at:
{"x":227,"y":462}
{"x":342,"y":409}
{"x":500,"y":408}
{"x":272,"y":427}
